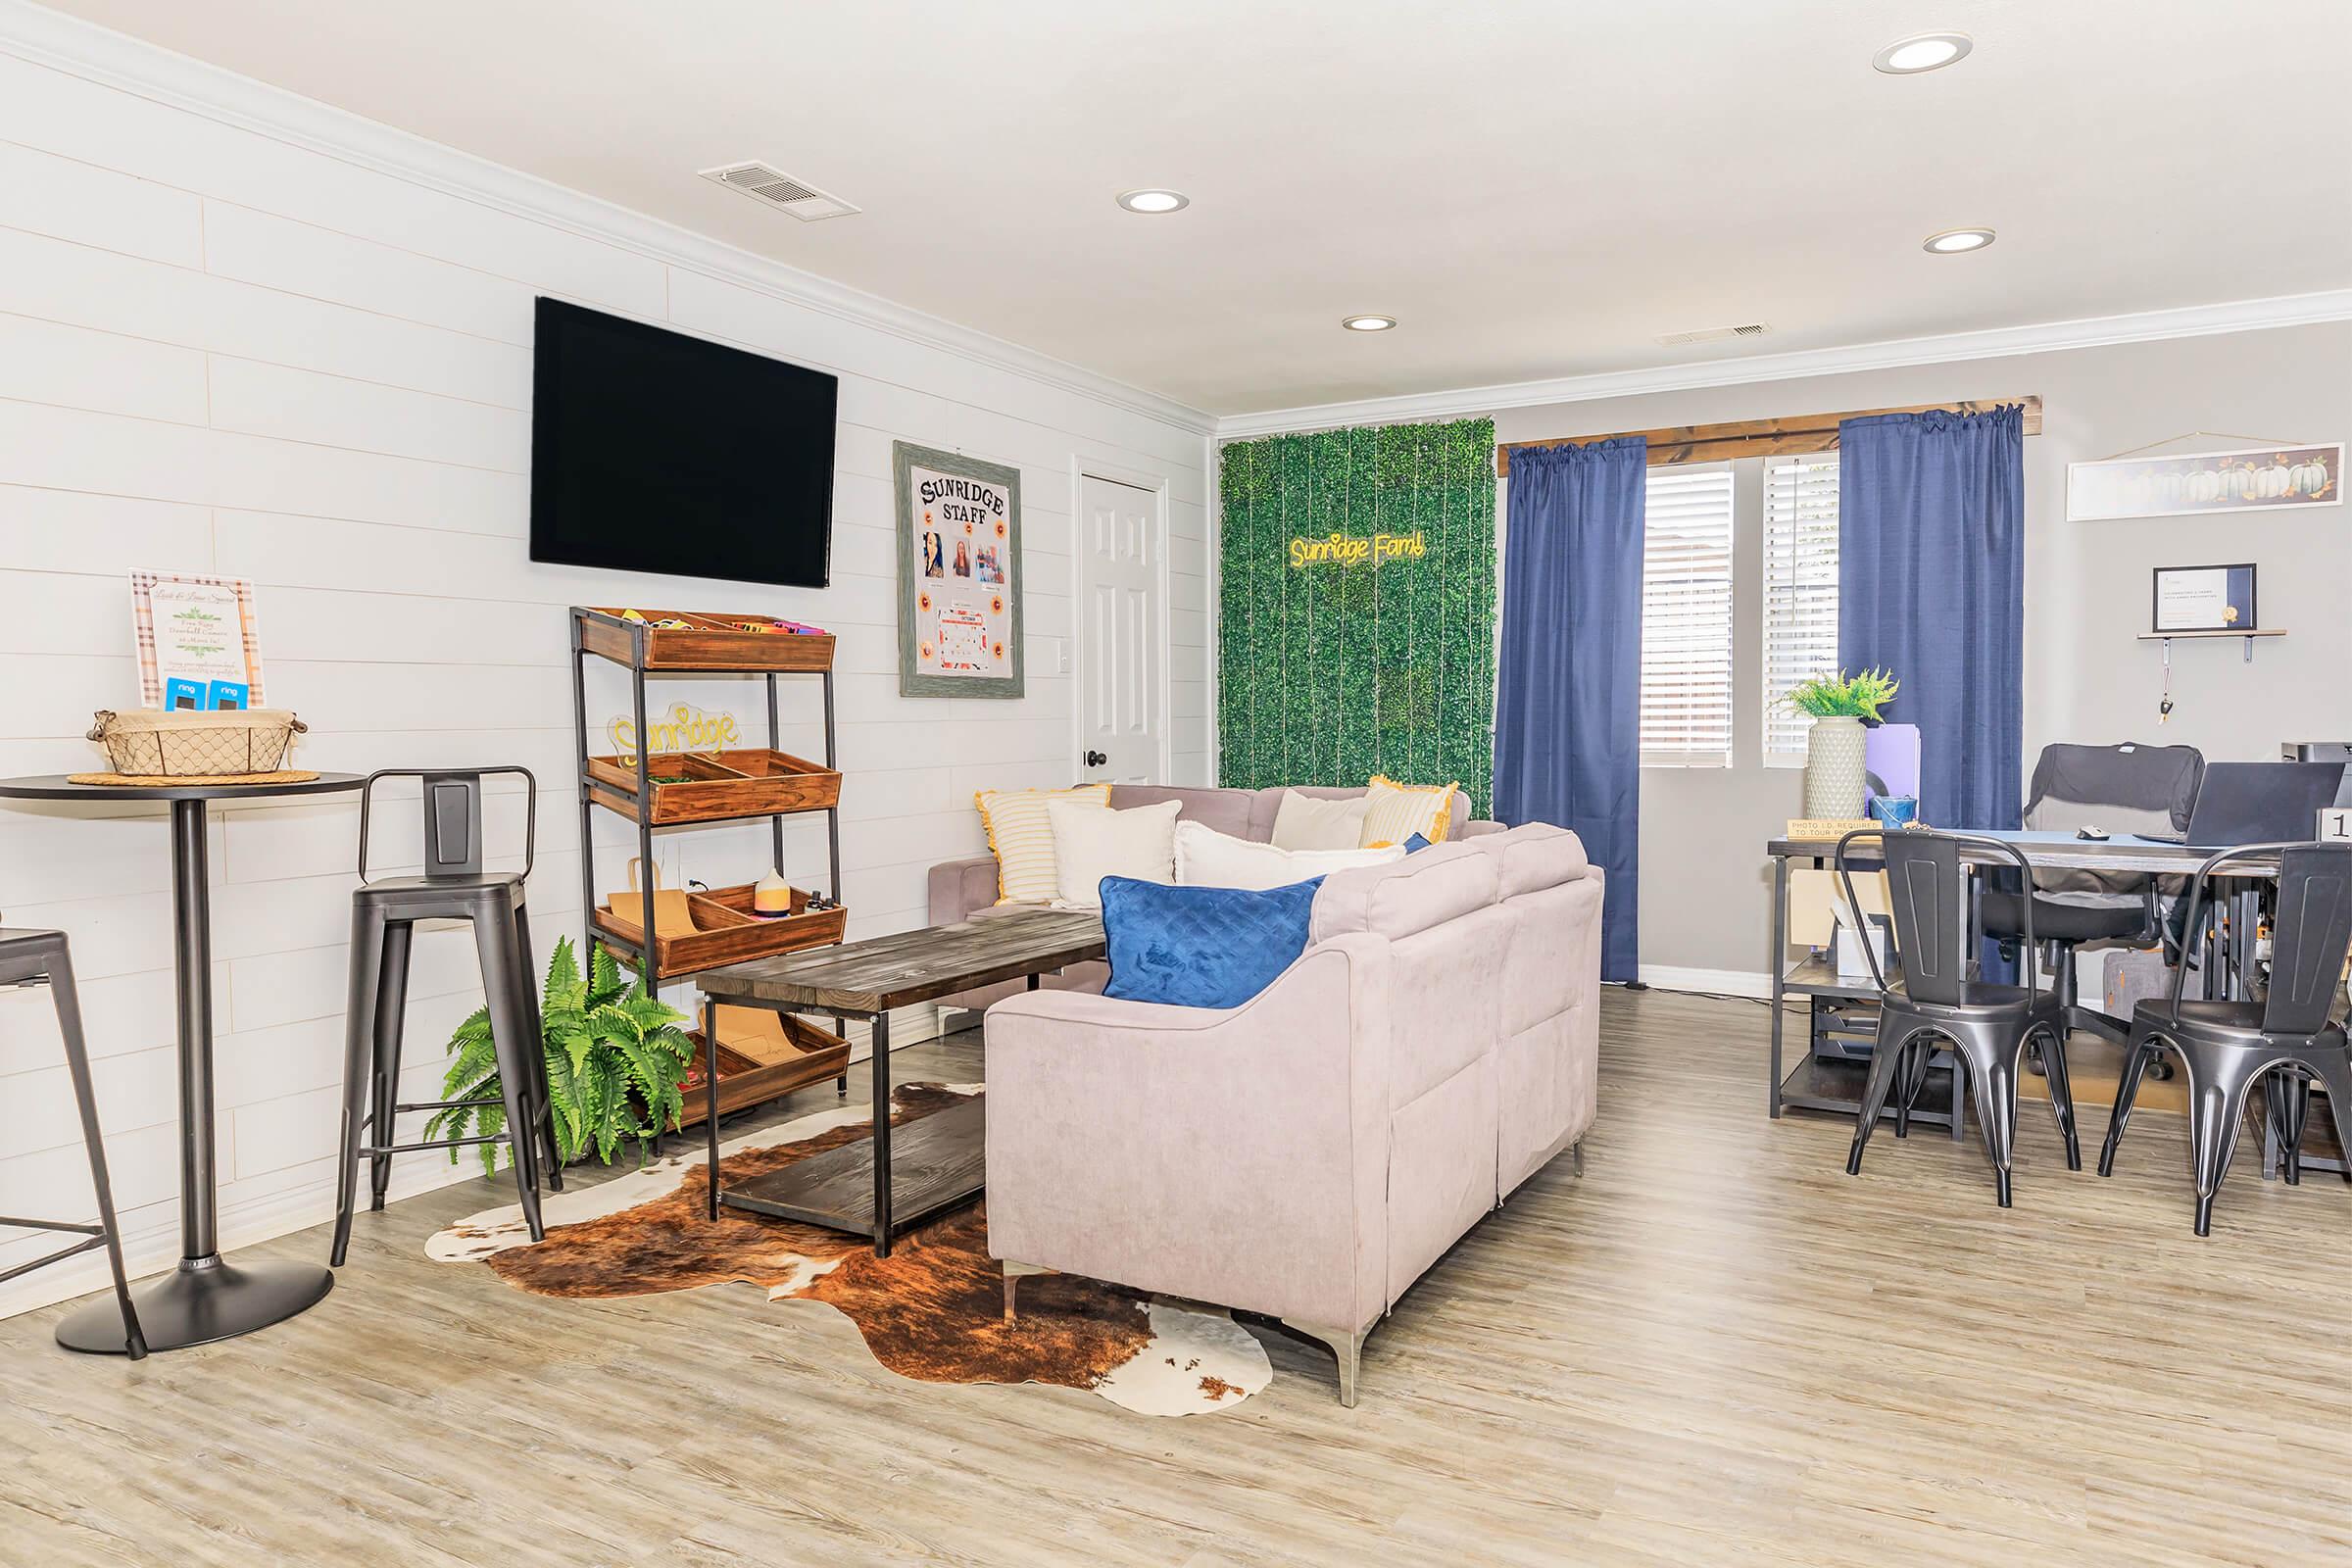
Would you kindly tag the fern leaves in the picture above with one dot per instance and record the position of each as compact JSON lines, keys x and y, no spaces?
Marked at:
{"x":615,"y":1062}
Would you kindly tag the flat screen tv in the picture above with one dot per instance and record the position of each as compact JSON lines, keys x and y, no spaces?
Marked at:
{"x":652,"y":450}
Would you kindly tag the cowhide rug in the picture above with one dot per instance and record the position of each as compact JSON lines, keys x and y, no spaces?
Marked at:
{"x":933,"y":1310}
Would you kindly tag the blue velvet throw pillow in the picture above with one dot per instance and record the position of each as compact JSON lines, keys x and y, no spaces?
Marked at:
{"x":1416,"y":842}
{"x":1201,"y":946}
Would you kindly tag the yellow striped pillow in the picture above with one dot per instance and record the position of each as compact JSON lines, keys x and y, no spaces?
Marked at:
{"x":1400,"y":810}
{"x":1021,"y":835}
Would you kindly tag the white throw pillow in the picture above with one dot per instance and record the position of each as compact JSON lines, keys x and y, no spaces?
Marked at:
{"x":1022,"y":840}
{"x":1306,"y":824}
{"x":1091,"y":842}
{"x":1208,"y":859}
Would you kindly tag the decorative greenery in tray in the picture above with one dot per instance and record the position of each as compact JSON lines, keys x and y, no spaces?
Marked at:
{"x":613,"y":1054}
{"x":1840,"y":696}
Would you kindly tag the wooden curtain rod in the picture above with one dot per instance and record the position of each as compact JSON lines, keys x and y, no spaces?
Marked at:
{"x":1764,"y":438}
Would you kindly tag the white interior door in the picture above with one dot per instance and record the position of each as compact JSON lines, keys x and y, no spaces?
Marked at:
{"x":1122,"y":645}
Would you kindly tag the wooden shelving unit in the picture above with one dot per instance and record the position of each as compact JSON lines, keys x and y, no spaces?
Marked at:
{"x":744,"y":1081}
{"x":692,"y":788}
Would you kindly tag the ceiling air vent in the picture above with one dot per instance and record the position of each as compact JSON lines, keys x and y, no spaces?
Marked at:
{"x":779,"y":190}
{"x":1711,"y":334}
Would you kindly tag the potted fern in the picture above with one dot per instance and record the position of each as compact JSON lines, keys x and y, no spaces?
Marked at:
{"x":1840,"y":706}
{"x":617,"y":1063}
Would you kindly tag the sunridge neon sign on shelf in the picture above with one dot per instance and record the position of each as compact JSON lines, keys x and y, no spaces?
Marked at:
{"x":685,"y":728}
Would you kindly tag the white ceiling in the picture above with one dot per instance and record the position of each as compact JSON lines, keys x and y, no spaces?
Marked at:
{"x":1537,"y":188}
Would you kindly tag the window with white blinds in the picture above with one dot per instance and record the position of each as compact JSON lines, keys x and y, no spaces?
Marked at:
{"x":1686,"y":619}
{"x":1800,"y":592}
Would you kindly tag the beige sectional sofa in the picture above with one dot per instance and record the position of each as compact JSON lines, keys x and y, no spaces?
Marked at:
{"x":1311,"y":1154}
{"x":962,"y":889}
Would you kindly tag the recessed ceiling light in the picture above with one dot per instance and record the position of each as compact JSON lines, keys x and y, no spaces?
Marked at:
{"x":1154,"y":200}
{"x":1368,"y":324}
{"x":1953,"y":241}
{"x":1924,"y":51}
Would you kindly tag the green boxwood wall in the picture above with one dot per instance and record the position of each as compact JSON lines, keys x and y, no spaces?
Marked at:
{"x":1330,"y":673}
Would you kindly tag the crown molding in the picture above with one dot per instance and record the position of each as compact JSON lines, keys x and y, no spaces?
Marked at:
{"x":2195,"y":320}
{"x":51,"y":38}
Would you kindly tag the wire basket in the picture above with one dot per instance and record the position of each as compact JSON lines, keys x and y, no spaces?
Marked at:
{"x":157,"y":744}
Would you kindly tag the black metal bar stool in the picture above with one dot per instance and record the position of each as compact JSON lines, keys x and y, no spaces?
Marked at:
{"x":383,"y":916}
{"x":28,"y":957}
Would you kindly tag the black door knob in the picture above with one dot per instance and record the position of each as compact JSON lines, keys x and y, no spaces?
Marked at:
{"x":1094,"y":759}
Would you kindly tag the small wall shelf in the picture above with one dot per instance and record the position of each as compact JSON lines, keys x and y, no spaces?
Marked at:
{"x":2249,"y":636}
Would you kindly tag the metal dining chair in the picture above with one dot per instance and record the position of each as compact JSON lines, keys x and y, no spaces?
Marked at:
{"x":2131,"y":788}
{"x":1936,"y":994}
{"x":2284,"y":1039}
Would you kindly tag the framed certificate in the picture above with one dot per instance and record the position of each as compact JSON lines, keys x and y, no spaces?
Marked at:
{"x":198,"y":643}
{"x":2204,"y":598}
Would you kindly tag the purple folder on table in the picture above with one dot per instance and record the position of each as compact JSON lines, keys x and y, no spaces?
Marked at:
{"x":1890,"y":762}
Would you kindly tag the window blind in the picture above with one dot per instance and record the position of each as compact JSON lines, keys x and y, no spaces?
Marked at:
{"x":1686,"y":619}
{"x":1800,"y":592}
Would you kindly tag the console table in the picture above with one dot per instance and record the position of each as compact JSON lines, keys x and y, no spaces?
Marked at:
{"x":207,"y":1297}
{"x":848,"y":1188}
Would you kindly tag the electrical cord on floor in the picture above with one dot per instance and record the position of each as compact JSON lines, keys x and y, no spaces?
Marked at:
{"x":1788,"y":1005}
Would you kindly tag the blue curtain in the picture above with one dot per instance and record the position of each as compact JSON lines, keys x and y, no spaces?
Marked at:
{"x":1931,"y":585}
{"x":1568,"y":707}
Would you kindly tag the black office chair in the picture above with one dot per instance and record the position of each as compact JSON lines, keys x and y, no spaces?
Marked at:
{"x":28,"y":957}
{"x":1989,"y":1025}
{"x":2227,"y":1046}
{"x":2123,"y":789}
{"x":384,"y":913}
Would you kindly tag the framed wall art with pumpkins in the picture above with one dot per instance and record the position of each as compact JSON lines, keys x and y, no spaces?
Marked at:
{"x":960,"y":571}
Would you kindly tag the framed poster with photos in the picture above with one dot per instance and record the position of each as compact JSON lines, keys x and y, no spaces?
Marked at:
{"x":960,"y":567}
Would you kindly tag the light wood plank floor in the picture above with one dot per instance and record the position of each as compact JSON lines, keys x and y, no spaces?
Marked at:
{"x":1716,"y":1348}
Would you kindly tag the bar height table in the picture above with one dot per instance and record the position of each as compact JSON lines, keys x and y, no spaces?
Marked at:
{"x":207,"y":1297}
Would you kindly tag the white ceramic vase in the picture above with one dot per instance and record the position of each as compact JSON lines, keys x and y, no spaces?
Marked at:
{"x":1833,"y":770}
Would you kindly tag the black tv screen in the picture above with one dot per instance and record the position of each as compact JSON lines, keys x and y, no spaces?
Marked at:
{"x":655,"y":452}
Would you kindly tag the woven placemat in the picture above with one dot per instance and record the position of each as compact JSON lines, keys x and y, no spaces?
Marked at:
{"x":289,"y":775}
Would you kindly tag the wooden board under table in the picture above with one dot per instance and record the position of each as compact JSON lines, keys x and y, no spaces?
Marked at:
{"x":937,"y":1162}
{"x":873,"y":976}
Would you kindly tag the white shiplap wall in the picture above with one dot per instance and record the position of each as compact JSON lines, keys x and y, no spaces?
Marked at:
{"x":244,"y":334}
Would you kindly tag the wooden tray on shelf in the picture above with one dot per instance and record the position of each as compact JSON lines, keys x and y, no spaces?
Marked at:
{"x":728,"y":932}
{"x":804,"y":1053}
{"x":707,"y":642}
{"x":714,"y":786}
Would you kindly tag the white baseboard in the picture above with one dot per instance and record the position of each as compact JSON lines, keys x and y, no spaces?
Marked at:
{"x":1730,"y":982}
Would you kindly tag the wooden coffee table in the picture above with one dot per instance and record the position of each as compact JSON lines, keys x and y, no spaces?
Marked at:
{"x":848,"y":1188}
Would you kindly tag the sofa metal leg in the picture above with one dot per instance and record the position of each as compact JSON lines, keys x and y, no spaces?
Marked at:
{"x":1346,"y":1344}
{"x":1014,"y":1273}
{"x":1576,"y":1159}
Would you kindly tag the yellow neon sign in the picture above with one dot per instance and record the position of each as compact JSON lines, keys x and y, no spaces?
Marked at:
{"x":1352,"y":549}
